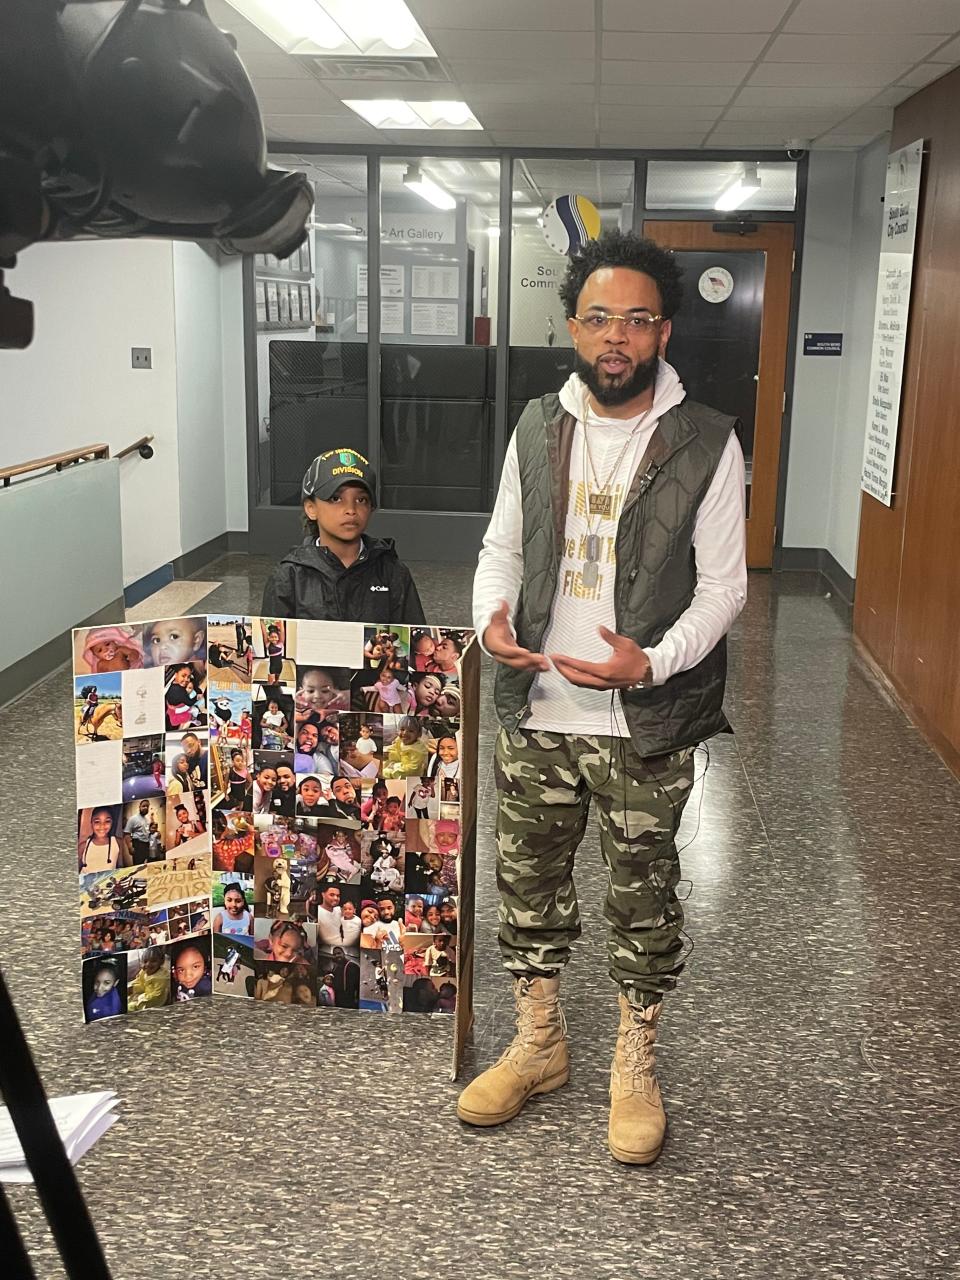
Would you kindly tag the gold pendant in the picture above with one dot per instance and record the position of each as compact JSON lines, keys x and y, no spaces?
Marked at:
{"x":600,"y":504}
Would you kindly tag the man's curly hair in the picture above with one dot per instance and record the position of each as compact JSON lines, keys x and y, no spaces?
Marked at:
{"x":624,"y":249}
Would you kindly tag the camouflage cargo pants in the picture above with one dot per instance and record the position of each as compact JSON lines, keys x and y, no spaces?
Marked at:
{"x":545,"y":783}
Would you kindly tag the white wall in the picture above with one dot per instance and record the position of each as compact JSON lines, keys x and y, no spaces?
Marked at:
{"x":198,"y":324}
{"x":74,"y":385}
{"x":839,"y":275}
{"x":234,"y":394}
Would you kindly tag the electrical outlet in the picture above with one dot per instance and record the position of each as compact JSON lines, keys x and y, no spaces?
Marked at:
{"x":141,"y":357}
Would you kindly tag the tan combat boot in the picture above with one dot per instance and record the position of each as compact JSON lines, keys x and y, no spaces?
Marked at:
{"x":638,"y":1121}
{"x":535,"y":1061}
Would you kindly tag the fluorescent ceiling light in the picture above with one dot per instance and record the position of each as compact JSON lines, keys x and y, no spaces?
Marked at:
{"x":342,"y":28}
{"x":431,"y":191}
{"x":391,"y":113}
{"x":743,"y":186}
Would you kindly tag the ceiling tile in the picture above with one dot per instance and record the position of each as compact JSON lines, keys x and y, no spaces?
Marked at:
{"x":693,"y":15}
{"x":722,"y":74}
{"x":867,"y":120}
{"x":278,"y":65}
{"x":926,"y":73}
{"x":640,"y":47}
{"x":301,"y":128}
{"x":872,"y":46}
{"x":626,"y":117}
{"x":806,"y":96}
{"x":508,"y":115}
{"x":405,"y":90}
{"x":949,"y":53}
{"x":297,"y":93}
{"x":543,"y":70}
{"x":544,"y":138}
{"x":666,"y":95}
{"x":890,"y":16}
{"x":874,"y":75}
{"x":523,"y":95}
{"x":540,"y":45}
{"x":503,"y":15}
{"x":654,"y":140}
{"x":802,"y":117}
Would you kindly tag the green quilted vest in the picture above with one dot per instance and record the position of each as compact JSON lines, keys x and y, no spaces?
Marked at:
{"x":655,"y":571}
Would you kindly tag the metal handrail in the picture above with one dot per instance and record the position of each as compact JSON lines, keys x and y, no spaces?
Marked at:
{"x":138,"y":446}
{"x":56,"y":460}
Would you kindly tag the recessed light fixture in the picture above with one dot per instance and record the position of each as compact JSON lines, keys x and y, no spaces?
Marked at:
{"x":341,"y":28}
{"x":391,"y":113}
{"x":744,"y":185}
{"x":432,"y":192}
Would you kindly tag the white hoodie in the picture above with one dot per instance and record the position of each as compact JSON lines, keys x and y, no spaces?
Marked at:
{"x":719,"y":540}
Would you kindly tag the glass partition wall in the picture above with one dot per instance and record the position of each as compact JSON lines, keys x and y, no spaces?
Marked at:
{"x":411,"y":374}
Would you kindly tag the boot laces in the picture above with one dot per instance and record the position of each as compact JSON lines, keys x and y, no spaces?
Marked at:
{"x":637,"y":1061}
{"x":524,"y":1041}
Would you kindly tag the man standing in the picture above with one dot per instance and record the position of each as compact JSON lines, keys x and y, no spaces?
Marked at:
{"x":137,"y":833}
{"x":330,"y":917}
{"x":613,"y":566}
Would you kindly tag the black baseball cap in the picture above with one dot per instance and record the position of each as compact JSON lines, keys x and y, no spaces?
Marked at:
{"x":327,"y":473}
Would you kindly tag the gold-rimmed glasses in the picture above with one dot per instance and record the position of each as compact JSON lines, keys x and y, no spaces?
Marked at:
{"x":634,"y":322}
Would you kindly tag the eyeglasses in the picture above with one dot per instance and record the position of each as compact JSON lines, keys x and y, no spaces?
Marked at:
{"x":600,"y":321}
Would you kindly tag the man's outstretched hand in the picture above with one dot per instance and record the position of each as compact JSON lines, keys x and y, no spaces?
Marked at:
{"x":626,"y":666}
{"x":501,"y":643}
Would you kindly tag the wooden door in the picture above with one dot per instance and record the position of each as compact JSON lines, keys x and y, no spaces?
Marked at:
{"x":729,"y":345}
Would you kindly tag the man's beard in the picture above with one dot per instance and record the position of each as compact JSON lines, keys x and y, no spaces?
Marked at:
{"x":610,"y":392}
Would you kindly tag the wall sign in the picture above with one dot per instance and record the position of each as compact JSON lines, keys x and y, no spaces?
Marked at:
{"x":891,"y":316}
{"x":823,"y":344}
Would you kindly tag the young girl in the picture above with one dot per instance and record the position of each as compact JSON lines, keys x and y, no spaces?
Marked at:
{"x":101,"y":850}
{"x":365,"y":743}
{"x":392,"y":819}
{"x":104,"y":998}
{"x":388,"y":694}
{"x":174,"y":640}
{"x":238,"y":779}
{"x":420,"y":797}
{"x":422,"y":648}
{"x":191,"y":974}
{"x":319,"y":690}
{"x":155,"y":844}
{"x":181,"y":697}
{"x":236,"y":916}
{"x":371,"y":810}
{"x":150,"y":989}
{"x":340,"y":856}
{"x":274,"y":651}
{"x":353,"y":764}
{"x":156,"y":768}
{"x":445,"y":761}
{"x":310,"y":800}
{"x":426,"y":690}
{"x":385,"y":873}
{"x":273,"y":725}
{"x":112,"y":649}
{"x":407,"y":755}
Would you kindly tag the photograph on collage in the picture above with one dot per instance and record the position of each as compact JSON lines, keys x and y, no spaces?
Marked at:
{"x":104,"y":987}
{"x":99,"y":650}
{"x":144,"y":830}
{"x":98,"y":708}
{"x":232,"y":906}
{"x":229,"y":651}
{"x":234,"y":966}
{"x":148,"y":979}
{"x":381,"y":980}
{"x":272,"y":710}
{"x":170,"y":641}
{"x":233,"y":841}
{"x":274,"y":649}
{"x":285,"y":983}
{"x":386,"y":644}
{"x":185,"y":696}
{"x":144,"y":767}
{"x":191,"y":969}
{"x":187,"y":763}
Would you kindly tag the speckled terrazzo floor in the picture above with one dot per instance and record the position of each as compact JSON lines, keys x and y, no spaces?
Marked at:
{"x":809,"y":1061}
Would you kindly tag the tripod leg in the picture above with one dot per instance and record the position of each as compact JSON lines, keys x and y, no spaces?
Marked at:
{"x":14,"y":1253}
{"x":53,"y":1174}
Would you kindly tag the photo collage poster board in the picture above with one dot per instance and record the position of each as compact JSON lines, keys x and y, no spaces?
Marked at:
{"x":279,"y":810}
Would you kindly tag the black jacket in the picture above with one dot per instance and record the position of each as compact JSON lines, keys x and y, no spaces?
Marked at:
{"x":311,"y":582}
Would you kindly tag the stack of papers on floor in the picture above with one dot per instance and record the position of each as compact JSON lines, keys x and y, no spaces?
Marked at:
{"x":80,"y":1120}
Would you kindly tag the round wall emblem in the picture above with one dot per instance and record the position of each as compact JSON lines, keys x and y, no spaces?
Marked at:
{"x":716,"y":284}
